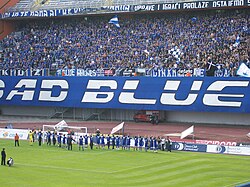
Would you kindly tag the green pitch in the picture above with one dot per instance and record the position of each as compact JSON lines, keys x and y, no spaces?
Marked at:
{"x":52,"y":166}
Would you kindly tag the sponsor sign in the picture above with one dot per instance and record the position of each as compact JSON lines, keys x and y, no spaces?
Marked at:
{"x":189,"y":147}
{"x":237,"y":150}
{"x":215,"y":142}
{"x":10,"y":133}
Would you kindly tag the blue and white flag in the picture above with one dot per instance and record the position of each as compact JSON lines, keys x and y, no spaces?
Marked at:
{"x":237,"y":41}
{"x":115,"y":21}
{"x":243,"y":70}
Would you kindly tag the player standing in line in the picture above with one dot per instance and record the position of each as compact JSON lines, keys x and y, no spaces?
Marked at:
{"x":91,"y":142}
{"x":59,"y":140}
{"x":64,"y":141}
{"x":140,"y":143}
{"x":86,"y":140}
{"x":108,"y":141}
{"x":146,"y":143}
{"x":54,"y":138}
{"x":40,"y":138}
{"x":155,"y":144}
{"x":98,"y":141}
{"x":49,"y":138}
{"x":81,"y":143}
{"x":151,"y":143}
{"x":124,"y":139}
{"x":136,"y":143}
{"x":117,"y":141}
{"x":113,"y":141}
{"x":128,"y":143}
{"x":102,"y":141}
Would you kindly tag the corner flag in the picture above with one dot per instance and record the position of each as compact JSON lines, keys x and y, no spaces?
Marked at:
{"x":115,"y":21}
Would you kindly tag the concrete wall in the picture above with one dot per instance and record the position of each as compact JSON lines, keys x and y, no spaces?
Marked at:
{"x":127,"y":115}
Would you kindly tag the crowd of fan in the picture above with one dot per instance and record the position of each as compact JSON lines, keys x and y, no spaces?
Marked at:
{"x":202,"y":39}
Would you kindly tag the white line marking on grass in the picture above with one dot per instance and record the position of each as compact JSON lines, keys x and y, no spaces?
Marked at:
{"x":132,"y":168}
{"x":63,"y":168}
{"x":237,"y":183}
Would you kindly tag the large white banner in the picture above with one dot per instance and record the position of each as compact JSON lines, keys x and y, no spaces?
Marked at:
{"x":10,"y":133}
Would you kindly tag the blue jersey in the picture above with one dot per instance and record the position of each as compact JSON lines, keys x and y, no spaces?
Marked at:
{"x":98,"y":139}
{"x":128,"y":141}
{"x":108,"y":139}
{"x":136,"y":141}
{"x":64,"y":139}
{"x":151,"y":143}
{"x":141,"y":142}
{"x":124,"y":139}
{"x":86,"y":139}
{"x":91,"y":139}
{"x":113,"y":139}
{"x":48,"y":136}
{"x":102,"y":140}
{"x":146,"y":142}
{"x":59,"y":138}
{"x":155,"y":143}
{"x":117,"y":141}
{"x":81,"y":141}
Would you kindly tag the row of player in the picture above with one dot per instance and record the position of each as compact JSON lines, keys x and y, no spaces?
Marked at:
{"x":111,"y":142}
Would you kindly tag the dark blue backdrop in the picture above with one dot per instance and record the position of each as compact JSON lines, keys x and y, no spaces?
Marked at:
{"x":233,"y":93}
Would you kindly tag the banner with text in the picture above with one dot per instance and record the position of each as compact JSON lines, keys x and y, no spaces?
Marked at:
{"x":129,"y":8}
{"x":201,"y":94}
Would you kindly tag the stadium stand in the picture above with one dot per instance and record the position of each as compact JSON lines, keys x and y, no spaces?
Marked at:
{"x":170,"y":40}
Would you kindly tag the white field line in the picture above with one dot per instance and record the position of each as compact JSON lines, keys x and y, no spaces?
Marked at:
{"x":132,"y":168}
{"x":61,"y":168}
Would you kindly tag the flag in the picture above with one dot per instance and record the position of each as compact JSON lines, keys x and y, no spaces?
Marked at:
{"x":237,"y":41}
{"x":243,"y":70}
{"x":115,"y":21}
{"x":194,"y":19}
{"x":117,"y":128}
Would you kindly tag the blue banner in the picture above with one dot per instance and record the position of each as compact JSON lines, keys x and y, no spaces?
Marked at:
{"x":189,"y":147}
{"x":215,"y":94}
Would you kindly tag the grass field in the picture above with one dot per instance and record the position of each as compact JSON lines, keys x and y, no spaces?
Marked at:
{"x":53,"y":166}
